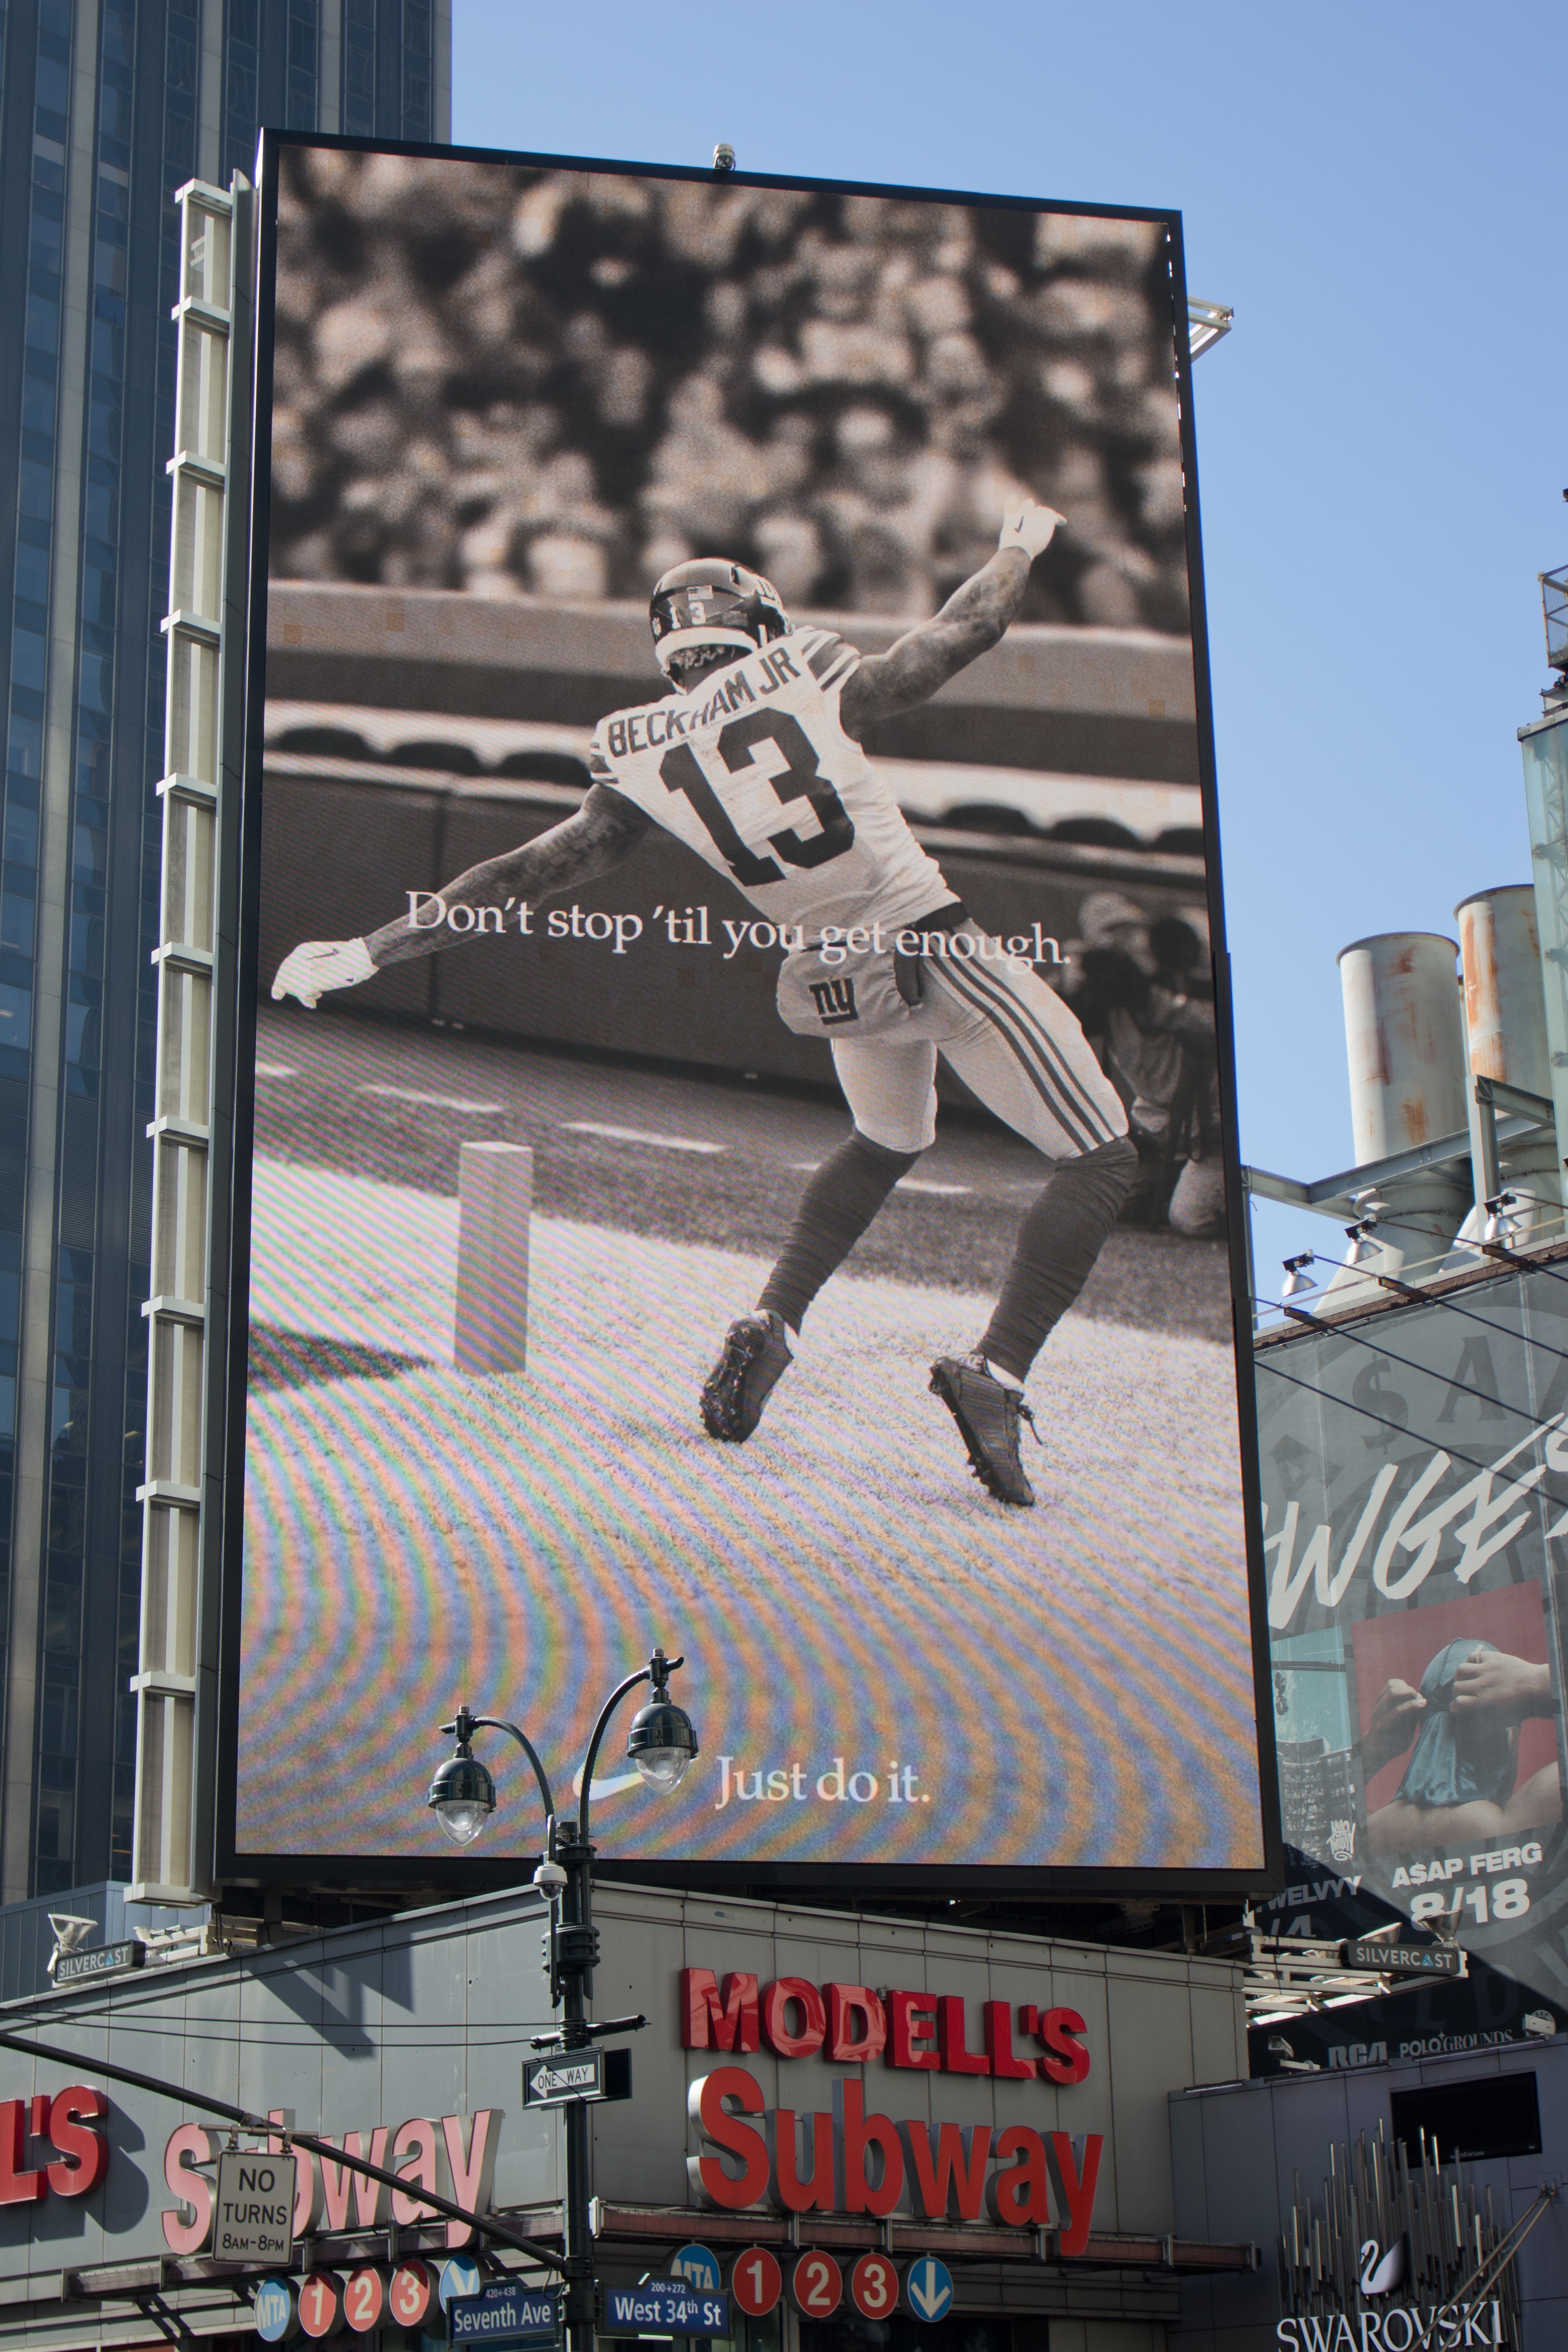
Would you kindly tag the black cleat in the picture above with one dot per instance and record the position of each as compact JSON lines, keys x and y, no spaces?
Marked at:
{"x":756,"y":1356}
{"x":988,"y":1413}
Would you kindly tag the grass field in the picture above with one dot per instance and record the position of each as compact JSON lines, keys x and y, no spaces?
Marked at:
{"x":1070,"y":1686}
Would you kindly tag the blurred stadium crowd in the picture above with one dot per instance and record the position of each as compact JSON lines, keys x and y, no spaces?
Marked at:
{"x":511,"y":380}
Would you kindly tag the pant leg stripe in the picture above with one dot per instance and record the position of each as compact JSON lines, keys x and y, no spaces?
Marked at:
{"x":1051,"y":1051}
{"x":1062,"y":1111}
{"x":1048,"y":1047}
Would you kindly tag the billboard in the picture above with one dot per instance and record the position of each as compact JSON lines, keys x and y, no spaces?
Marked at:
{"x":734,"y":1078}
{"x":1415,"y":1469}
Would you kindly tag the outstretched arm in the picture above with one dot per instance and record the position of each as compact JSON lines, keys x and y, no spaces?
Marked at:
{"x":973,"y":619}
{"x":605,"y":829}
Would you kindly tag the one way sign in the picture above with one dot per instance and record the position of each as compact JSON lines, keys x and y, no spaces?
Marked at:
{"x":928,"y":2288}
{"x":569,"y":2075}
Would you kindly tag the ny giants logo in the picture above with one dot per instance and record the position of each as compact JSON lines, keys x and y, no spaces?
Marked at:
{"x":833,"y":1000}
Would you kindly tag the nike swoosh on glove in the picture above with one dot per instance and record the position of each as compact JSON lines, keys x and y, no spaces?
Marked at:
{"x":1030,"y":527}
{"x":308,"y":971}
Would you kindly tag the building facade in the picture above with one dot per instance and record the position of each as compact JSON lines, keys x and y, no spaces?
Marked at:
{"x":885,"y":2079}
{"x":106,"y":108}
{"x":1414,"y":2202}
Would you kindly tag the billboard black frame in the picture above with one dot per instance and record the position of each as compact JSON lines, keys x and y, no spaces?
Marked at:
{"x":236,"y":1083}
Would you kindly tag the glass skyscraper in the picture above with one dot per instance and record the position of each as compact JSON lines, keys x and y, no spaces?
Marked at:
{"x":106,"y":108}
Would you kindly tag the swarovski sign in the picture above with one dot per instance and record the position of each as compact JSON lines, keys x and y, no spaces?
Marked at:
{"x":1402,"y":2327}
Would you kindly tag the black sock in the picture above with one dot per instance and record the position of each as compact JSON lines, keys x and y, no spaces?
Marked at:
{"x":836,"y":1206}
{"x":1057,"y":1244}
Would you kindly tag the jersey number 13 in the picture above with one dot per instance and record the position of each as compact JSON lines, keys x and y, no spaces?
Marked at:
{"x":680,"y":771}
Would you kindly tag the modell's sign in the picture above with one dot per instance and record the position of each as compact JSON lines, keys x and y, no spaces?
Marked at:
{"x":451,"y":2155}
{"x":856,"y":2161}
{"x":52,"y":2145}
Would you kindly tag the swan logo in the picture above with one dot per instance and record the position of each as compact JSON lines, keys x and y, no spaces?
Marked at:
{"x":1381,"y":2271}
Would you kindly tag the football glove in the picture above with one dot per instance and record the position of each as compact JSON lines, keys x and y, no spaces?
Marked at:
{"x":1030,"y":527}
{"x":308,"y":971}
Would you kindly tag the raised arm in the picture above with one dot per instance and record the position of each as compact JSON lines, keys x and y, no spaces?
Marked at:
{"x":605,"y":829}
{"x":973,"y":620}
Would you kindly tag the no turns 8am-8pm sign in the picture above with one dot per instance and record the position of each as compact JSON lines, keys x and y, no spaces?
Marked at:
{"x":254,"y":2217}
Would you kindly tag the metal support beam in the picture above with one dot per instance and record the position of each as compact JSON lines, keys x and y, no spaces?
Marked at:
{"x":1331,"y":1196}
{"x":208,"y":583}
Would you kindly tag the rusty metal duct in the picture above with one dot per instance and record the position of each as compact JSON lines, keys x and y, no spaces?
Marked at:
{"x":1505,"y":1021}
{"x":1405,"y":1042}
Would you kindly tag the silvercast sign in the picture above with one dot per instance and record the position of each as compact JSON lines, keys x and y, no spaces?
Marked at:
{"x":103,"y":1961}
{"x":1403,"y":1960}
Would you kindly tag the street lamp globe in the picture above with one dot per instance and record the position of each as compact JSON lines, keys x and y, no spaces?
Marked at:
{"x":462,"y":1796}
{"x":662,"y":1742}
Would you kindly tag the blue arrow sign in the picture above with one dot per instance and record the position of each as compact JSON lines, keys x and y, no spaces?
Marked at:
{"x":928,"y":2286}
{"x":665,"y":2307}
{"x":698,"y":2267}
{"x":459,"y":2275}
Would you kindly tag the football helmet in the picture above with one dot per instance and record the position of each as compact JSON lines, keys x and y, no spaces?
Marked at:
{"x":709,"y":603}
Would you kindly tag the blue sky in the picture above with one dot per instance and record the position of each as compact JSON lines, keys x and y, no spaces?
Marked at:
{"x":1382,"y":443}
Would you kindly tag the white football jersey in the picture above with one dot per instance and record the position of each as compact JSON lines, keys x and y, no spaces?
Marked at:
{"x":752,"y":770}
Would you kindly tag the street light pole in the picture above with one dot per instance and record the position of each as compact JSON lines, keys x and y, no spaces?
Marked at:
{"x":661,"y":1744}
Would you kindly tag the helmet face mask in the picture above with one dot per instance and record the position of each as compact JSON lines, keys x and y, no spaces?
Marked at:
{"x":709,"y":610}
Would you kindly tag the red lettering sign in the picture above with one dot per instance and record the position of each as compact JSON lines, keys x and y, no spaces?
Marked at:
{"x":1017,"y":2197}
{"x":866,"y":2143}
{"x":949,"y":2177}
{"x":17,"y":2185}
{"x":776,"y":2002}
{"x":912,"y":2030}
{"x":338,"y":2182}
{"x":76,"y":2129}
{"x":707,"y":2103}
{"x":998,"y":2015}
{"x":1061,"y":2030}
{"x":854,"y":2025}
{"x":857,"y":2025}
{"x":707,"y":2023}
{"x":956,"y":2058}
{"x":852,"y":2162}
{"x":790,"y":2193}
{"x":1073,"y":2188}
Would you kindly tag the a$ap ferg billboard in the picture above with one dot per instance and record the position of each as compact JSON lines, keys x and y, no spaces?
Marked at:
{"x":1415,"y":1500}
{"x":740,"y":1109}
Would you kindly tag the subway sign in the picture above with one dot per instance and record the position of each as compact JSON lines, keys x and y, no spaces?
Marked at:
{"x":852,"y":2159}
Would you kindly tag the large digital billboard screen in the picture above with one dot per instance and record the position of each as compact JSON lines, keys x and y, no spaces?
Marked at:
{"x":1414,"y":1470}
{"x":734,"y":1089}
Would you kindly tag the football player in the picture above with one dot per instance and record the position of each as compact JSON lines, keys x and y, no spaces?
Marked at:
{"x":755,"y":760}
